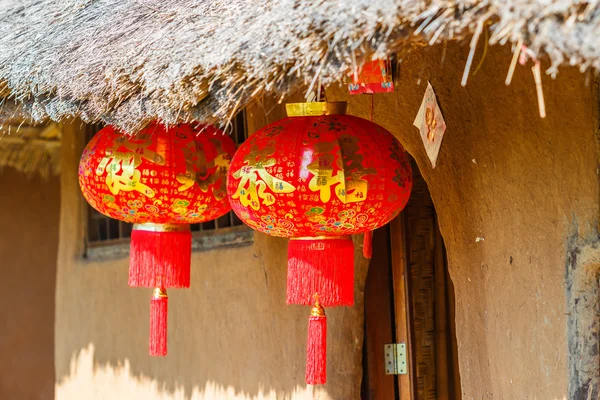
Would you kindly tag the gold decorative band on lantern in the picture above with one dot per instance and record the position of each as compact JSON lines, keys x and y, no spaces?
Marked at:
{"x":345,"y":237}
{"x":159,"y":292}
{"x":151,"y":227}
{"x":316,"y":109}
{"x":317,"y":310}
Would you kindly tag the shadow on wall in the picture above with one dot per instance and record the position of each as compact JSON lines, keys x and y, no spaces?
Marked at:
{"x":29,"y":214}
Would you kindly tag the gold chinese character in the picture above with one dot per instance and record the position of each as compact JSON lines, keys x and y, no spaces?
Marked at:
{"x":254,"y":179}
{"x":188,"y":178}
{"x":207,"y":172}
{"x":347,"y":182}
{"x":211,"y":172}
{"x":122,"y":167}
{"x":322,"y":170}
{"x":356,"y":187}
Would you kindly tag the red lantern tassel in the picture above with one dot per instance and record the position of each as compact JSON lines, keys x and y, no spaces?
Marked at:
{"x":323,"y":265}
{"x":160,"y":256}
{"x":158,"y":323}
{"x":368,"y":244}
{"x":316,"y":349}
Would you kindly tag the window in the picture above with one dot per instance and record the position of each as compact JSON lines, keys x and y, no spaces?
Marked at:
{"x":109,"y":238}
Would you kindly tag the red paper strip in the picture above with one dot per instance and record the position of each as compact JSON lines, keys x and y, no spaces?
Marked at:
{"x":375,"y":77}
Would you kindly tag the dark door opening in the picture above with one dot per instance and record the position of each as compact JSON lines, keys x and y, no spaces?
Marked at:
{"x":409,"y":298}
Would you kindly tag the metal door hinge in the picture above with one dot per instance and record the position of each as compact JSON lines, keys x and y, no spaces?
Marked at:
{"x":395,"y":359}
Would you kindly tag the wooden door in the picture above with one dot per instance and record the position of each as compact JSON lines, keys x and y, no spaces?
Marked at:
{"x":409,"y":299}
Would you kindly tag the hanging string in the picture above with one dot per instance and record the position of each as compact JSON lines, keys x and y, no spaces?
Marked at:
{"x":319,"y":87}
{"x":322,"y":96}
{"x":444,"y":53}
{"x":368,"y":236}
{"x":485,"y":48}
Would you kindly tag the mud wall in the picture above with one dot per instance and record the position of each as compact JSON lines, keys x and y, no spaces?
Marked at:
{"x":29,"y":211}
{"x":526,"y":186}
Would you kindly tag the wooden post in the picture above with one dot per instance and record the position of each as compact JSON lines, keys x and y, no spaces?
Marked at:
{"x":378,"y":318}
{"x":441,"y":321}
{"x":402,"y":304}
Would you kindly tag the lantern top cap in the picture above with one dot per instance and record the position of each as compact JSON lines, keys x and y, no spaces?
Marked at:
{"x":316,"y":109}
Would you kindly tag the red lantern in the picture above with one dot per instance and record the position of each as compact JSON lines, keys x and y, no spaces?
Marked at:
{"x":317,"y":177}
{"x":161,"y":180}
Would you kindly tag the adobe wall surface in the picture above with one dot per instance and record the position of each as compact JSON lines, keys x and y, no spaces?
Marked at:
{"x":527,"y":186}
{"x":29,"y":211}
{"x":231,"y":336}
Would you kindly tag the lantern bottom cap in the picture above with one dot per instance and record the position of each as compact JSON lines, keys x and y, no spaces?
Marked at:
{"x":345,"y":237}
{"x":152,"y":227}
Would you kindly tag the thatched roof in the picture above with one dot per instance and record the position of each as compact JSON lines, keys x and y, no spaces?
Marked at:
{"x":127,"y":62}
{"x":31,"y":149}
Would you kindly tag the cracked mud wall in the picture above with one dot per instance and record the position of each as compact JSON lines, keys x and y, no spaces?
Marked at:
{"x":583,"y":319}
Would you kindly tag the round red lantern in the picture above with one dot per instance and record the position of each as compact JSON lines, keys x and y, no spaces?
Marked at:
{"x":317,"y":177}
{"x":161,"y":180}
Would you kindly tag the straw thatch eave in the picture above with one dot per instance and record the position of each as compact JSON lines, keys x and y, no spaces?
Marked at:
{"x":31,"y":149}
{"x":128,"y":62}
